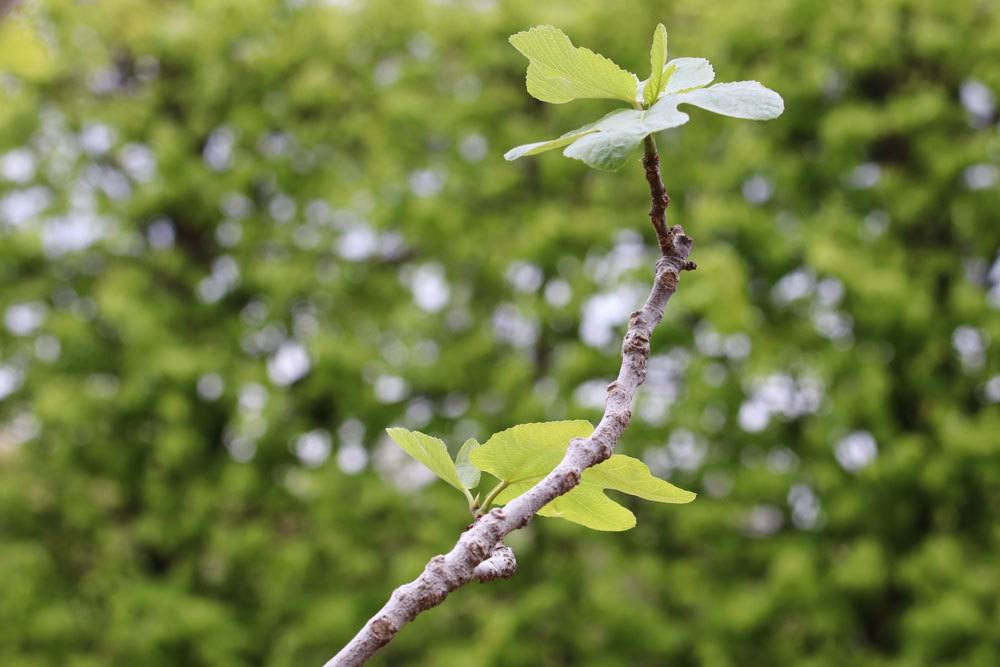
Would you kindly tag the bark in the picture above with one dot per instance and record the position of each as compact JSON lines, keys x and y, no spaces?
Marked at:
{"x":479,"y":554}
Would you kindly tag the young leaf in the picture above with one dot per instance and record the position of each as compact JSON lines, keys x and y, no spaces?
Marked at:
{"x":620,"y":133}
{"x":528,"y":451}
{"x":687,"y":73}
{"x":663,"y":117}
{"x":607,"y":143}
{"x":468,"y":474}
{"x":523,"y":455}
{"x":559,"y":72}
{"x":607,"y":150}
{"x":657,"y":62}
{"x":616,"y":120}
{"x":740,"y":99}
{"x":432,"y":452}
{"x":542,"y":146}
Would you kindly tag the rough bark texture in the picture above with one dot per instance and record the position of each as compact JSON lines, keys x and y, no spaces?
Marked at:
{"x":479,"y":554}
{"x":501,"y":565}
{"x":659,"y":200}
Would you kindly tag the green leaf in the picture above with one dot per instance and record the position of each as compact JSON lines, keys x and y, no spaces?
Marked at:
{"x":663,"y":117}
{"x":632,"y":476}
{"x":618,"y":134}
{"x":608,"y":142}
{"x":524,"y":454}
{"x":678,"y":75}
{"x":528,"y":451}
{"x":687,"y":74}
{"x":739,"y":99}
{"x":559,"y":72}
{"x":468,"y":474}
{"x":542,"y":146}
{"x":607,"y":150}
{"x":432,"y":452}
{"x":657,"y":61}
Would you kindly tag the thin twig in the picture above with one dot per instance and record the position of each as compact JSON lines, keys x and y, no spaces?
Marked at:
{"x":479,"y":554}
{"x":659,"y":200}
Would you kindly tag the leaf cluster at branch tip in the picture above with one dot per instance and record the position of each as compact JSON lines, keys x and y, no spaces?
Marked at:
{"x":559,"y":72}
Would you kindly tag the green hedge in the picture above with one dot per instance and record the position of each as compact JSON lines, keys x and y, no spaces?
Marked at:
{"x":226,"y":225}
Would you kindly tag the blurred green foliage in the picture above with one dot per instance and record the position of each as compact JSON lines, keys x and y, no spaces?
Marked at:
{"x":238,"y":239}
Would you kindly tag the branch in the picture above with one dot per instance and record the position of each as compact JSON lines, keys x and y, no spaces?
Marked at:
{"x":657,"y":193}
{"x":501,"y":565}
{"x":479,"y":553}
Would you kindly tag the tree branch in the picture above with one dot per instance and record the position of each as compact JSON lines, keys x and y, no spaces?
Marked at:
{"x":479,"y":553}
{"x":501,"y":565}
{"x":657,"y":193}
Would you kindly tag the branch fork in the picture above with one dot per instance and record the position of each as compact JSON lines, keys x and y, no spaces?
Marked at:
{"x":480,"y":554}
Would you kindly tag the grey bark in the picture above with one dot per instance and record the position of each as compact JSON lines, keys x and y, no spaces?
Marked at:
{"x":479,"y":554}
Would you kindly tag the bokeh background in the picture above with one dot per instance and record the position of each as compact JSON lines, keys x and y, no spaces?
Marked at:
{"x":239,"y":238}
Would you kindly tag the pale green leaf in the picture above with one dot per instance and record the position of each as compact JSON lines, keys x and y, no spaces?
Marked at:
{"x":542,"y":146}
{"x":584,"y":504}
{"x":687,"y":73}
{"x":432,"y":452}
{"x":528,"y":451}
{"x":632,"y":476}
{"x":608,"y":142}
{"x":657,"y":62}
{"x":468,"y":474}
{"x":740,"y":99}
{"x":559,"y":72}
{"x":607,"y":150}
{"x":617,"y":136}
{"x":523,"y":455}
{"x":620,"y":133}
{"x":663,"y":117}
